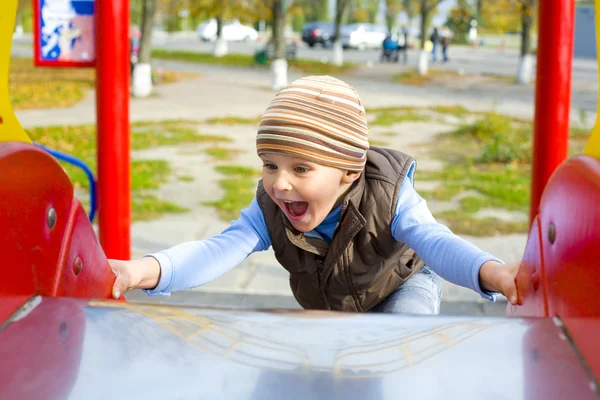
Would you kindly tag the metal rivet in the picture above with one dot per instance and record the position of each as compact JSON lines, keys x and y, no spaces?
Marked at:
{"x":63,"y":332}
{"x":551,"y":233}
{"x":535,"y":281}
{"x":51,"y":218}
{"x":535,"y":354}
{"x":77,"y":266}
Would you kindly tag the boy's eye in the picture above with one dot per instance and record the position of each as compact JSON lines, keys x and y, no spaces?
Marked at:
{"x":301,"y":170}
{"x":270,"y":166}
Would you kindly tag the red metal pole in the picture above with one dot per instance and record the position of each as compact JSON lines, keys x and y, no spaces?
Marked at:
{"x":553,"y":93}
{"x":112,"y":107}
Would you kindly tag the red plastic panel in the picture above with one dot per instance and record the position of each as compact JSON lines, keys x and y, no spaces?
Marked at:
{"x":83,"y":268}
{"x":585,"y":333}
{"x":32,"y":183}
{"x":552,"y":369}
{"x":61,"y":258}
{"x":8,"y":305}
{"x":530,"y":279}
{"x":570,"y":233}
{"x":41,"y":352}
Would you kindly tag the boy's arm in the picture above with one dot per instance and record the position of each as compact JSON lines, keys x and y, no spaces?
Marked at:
{"x":195,"y":263}
{"x":450,"y":256}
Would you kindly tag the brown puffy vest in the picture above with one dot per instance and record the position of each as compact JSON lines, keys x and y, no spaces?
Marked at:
{"x":364,"y":263}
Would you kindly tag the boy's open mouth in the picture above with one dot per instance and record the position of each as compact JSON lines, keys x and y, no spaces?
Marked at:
{"x":296,"y":209}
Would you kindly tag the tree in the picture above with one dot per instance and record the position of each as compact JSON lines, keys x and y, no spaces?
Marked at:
{"x":142,"y":72}
{"x":222,"y":10}
{"x":425,"y":10}
{"x":459,"y":20}
{"x":525,"y":70}
{"x":500,"y":16}
{"x":392,"y":8}
{"x":311,"y":10}
{"x":279,"y":63}
{"x":338,"y":52}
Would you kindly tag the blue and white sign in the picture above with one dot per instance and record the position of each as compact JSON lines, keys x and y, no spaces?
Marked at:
{"x":66,"y":32}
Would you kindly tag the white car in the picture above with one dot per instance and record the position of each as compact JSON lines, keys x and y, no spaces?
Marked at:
{"x":362,"y":35}
{"x":233,"y":31}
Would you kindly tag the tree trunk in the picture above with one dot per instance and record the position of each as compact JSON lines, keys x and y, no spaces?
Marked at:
{"x":526,"y":23}
{"x":278,"y":29}
{"x":338,"y":51}
{"x":142,"y":72}
{"x":279,"y":63}
{"x":219,"y":25}
{"x":148,"y":12}
{"x":220,"y":49}
{"x":424,"y":14}
{"x":423,"y":60}
{"x":525,"y":68}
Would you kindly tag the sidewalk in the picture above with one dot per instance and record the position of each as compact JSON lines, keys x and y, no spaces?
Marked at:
{"x":218,"y":94}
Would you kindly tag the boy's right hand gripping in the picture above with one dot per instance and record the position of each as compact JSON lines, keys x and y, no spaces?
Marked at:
{"x":134,"y":274}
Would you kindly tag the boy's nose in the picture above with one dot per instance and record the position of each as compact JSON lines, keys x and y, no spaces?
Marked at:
{"x":281,"y":184}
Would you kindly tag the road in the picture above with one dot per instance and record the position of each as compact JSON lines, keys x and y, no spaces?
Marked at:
{"x":485,"y":60}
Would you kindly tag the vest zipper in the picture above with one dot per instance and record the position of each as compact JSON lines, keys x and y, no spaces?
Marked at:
{"x":320,"y":265}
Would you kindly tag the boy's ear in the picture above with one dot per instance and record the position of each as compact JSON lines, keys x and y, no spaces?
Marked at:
{"x":350,"y":176}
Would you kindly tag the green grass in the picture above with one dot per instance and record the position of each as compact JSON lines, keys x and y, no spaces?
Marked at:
{"x":145,"y":135}
{"x":413,"y":78}
{"x":146,"y":175}
{"x":145,"y":207}
{"x":33,"y":87}
{"x":463,"y":223}
{"x":388,"y":118}
{"x":242,"y":60}
{"x":239,"y":185}
{"x":232,"y":120}
{"x":185,"y":178}
{"x":247,"y":60}
{"x":221,"y":153}
{"x":455,"y":110}
{"x":492,"y":158}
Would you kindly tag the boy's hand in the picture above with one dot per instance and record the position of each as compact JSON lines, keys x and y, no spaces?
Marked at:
{"x":496,"y":277}
{"x":134,"y":274}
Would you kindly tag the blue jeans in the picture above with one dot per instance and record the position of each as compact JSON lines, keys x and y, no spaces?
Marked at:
{"x":420,"y":294}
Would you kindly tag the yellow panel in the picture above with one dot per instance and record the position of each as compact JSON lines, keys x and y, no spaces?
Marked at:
{"x":10,"y":128}
{"x":593,"y":145}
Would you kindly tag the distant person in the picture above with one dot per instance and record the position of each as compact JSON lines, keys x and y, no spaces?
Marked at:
{"x":342,"y":217}
{"x":403,"y":44}
{"x":389,"y":49}
{"x":435,"y":37}
{"x":445,"y":42}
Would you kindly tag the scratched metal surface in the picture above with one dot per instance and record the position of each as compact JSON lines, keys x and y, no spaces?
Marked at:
{"x":110,"y":350}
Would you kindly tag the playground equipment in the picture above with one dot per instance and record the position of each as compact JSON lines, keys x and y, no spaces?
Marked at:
{"x":62,"y":337}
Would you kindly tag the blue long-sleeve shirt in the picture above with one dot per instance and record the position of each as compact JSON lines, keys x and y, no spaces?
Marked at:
{"x":195,"y":263}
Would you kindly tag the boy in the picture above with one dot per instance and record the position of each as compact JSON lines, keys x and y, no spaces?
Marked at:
{"x":342,"y":218}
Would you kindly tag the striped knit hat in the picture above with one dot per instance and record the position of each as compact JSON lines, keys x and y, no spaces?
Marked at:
{"x":319,"y":119}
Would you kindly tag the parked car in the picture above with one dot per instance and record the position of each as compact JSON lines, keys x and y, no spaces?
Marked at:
{"x":318,"y":32}
{"x":363,"y":35}
{"x":233,"y":31}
